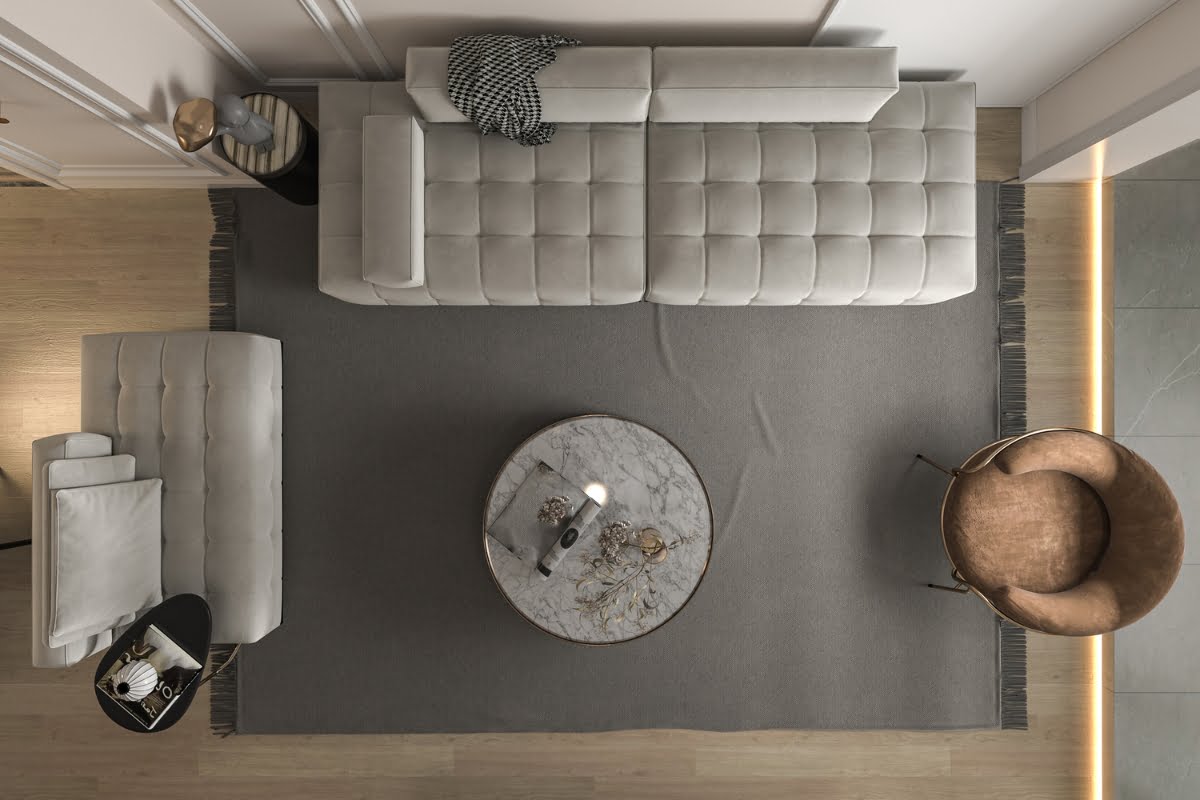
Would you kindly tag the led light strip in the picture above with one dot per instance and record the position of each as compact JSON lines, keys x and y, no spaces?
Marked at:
{"x":1097,"y":424}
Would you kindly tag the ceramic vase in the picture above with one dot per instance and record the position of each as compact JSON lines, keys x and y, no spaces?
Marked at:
{"x":135,"y":681}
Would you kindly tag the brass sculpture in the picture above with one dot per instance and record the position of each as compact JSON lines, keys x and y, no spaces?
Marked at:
{"x":198,"y":121}
{"x":195,"y":123}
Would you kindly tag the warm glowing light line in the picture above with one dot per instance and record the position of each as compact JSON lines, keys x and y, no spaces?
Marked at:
{"x":1097,"y":310}
{"x":1097,"y":718}
{"x":1097,"y":424}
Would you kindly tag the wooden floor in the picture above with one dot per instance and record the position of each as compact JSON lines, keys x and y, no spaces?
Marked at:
{"x":92,"y":261}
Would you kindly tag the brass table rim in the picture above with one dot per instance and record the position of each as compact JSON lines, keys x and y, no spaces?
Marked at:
{"x":487,"y":556}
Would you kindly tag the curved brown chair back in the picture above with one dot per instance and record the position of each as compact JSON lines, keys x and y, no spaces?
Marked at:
{"x":1145,"y":542}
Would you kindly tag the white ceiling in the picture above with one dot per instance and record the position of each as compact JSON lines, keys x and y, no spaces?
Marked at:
{"x":1013,"y":50}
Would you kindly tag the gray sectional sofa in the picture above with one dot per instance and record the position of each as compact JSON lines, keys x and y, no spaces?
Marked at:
{"x":688,"y":176}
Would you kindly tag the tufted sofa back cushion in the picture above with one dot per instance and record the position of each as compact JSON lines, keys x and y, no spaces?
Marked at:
{"x":772,"y":84}
{"x":203,"y":412}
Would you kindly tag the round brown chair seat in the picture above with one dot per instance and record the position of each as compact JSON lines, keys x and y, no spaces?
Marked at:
{"x":1063,"y":531}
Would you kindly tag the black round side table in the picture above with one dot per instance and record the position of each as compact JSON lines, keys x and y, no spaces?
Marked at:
{"x":187,"y":619}
{"x":290,"y":168}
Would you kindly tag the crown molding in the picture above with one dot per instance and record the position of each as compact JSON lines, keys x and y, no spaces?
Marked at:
{"x":218,"y":37}
{"x":67,"y":87}
{"x":237,"y":56}
{"x":300,"y":83}
{"x":326,"y":27}
{"x":24,"y":161}
{"x":359,"y":26}
{"x":142,"y":176}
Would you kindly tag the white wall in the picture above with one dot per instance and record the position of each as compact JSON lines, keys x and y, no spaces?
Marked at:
{"x":1135,"y":97}
{"x":1012,"y":50}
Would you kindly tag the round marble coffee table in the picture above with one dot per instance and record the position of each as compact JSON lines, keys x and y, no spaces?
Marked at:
{"x":650,"y":485}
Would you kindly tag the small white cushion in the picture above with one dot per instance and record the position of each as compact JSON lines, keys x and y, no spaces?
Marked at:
{"x":106,"y":557}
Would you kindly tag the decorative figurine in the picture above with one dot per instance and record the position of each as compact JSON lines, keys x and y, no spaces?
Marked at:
{"x":198,"y":121}
{"x":135,"y":681}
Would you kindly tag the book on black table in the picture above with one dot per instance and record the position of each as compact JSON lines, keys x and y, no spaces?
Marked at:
{"x":176,"y":672}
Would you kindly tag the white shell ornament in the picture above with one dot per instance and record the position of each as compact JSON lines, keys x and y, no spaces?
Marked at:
{"x":135,"y":681}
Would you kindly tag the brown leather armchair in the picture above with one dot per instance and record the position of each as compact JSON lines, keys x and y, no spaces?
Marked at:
{"x":1062,"y":531}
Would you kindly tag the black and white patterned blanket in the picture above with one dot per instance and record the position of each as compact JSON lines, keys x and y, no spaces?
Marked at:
{"x":491,"y":80}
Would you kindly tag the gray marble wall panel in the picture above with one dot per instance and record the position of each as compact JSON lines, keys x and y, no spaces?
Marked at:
{"x":1156,"y":253}
{"x":1156,"y":737}
{"x":1157,"y":413}
{"x":1157,"y":372}
{"x":1159,"y":650}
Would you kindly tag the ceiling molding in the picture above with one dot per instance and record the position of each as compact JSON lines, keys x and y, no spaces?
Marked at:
{"x":300,"y":83}
{"x":62,"y":84}
{"x":33,"y":165}
{"x":138,"y":176}
{"x":822,"y":22}
{"x":359,"y":26}
{"x":209,"y":29}
{"x":238,"y":57}
{"x":326,"y":27}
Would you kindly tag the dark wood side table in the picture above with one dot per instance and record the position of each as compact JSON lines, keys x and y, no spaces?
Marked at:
{"x":290,"y":168}
{"x":187,"y":619}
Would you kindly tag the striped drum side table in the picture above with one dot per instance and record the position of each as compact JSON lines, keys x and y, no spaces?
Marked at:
{"x":290,"y":168}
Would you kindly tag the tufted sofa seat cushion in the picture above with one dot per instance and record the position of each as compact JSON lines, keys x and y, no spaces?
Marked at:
{"x":203,"y":412}
{"x":881,"y":213}
{"x":560,"y":224}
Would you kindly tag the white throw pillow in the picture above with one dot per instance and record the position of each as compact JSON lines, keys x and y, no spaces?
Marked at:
{"x":106,"y":557}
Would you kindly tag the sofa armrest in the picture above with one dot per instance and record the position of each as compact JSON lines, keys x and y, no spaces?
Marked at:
{"x":393,"y":201}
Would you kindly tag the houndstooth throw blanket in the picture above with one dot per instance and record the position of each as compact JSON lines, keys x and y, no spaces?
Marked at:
{"x":490,"y":80}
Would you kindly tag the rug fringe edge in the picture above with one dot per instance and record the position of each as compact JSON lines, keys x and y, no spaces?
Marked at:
{"x":222,"y":252}
{"x":1014,"y":420}
{"x":223,"y":694}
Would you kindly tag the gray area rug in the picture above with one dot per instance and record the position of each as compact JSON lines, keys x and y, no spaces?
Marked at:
{"x":803,"y":422}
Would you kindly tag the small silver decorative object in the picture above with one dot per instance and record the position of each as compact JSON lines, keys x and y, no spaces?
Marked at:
{"x":135,"y":681}
{"x":554,"y":510}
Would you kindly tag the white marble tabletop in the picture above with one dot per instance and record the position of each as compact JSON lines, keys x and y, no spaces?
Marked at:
{"x":649,"y":483}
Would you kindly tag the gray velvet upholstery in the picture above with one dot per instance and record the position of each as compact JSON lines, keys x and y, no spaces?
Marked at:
{"x":785,"y":213}
{"x":751,"y":212}
{"x":203,"y":412}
